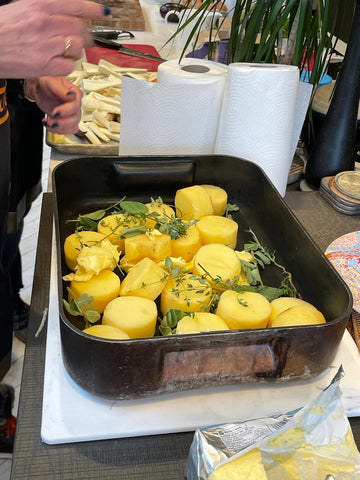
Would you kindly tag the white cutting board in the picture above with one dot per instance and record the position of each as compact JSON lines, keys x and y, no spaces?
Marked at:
{"x":70,"y":414}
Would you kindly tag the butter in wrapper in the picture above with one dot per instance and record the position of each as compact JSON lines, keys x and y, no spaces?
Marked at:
{"x":310,"y":443}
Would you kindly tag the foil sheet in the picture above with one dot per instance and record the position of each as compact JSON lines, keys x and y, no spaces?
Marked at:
{"x":325,"y":434}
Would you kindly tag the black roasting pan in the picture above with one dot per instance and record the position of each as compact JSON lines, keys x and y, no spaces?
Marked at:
{"x":152,"y":366}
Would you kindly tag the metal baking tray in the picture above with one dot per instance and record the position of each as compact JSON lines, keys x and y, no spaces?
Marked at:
{"x":143,"y":367}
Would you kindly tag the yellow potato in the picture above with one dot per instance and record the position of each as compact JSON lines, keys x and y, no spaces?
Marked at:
{"x":106,"y":331}
{"x":146,"y":279}
{"x":200,"y":322}
{"x":74,"y":243}
{"x":301,"y":315}
{"x":246,"y":467}
{"x":243,"y":310}
{"x":193,"y":202}
{"x":218,"y":197}
{"x":162,"y":209}
{"x":243,"y":255}
{"x":187,"y":293}
{"x":215,"y":229}
{"x":156,"y":246}
{"x":218,"y":260}
{"x":283,"y":303}
{"x":186,"y":247}
{"x":136,"y":316}
{"x":103,"y":288}
{"x":113,"y":226}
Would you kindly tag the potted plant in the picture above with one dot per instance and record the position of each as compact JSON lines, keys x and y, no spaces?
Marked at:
{"x":296,"y":32}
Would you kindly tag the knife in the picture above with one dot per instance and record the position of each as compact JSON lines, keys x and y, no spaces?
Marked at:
{"x":105,"y":42}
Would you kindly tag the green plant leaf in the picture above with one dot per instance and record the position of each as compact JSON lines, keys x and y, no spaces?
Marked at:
{"x":134,"y":208}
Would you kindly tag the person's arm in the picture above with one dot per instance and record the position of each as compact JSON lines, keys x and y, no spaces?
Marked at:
{"x":44,"y":37}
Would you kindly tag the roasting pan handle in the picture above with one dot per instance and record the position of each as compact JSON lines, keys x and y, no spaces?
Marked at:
{"x":137,"y":174}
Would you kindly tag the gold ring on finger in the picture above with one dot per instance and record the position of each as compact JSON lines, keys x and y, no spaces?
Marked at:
{"x":67,"y":52}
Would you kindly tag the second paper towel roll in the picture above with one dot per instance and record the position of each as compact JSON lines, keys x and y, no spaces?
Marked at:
{"x":258,"y":115}
{"x":176,"y":115}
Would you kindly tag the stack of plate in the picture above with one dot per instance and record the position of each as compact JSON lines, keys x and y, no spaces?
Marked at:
{"x":342,"y":191}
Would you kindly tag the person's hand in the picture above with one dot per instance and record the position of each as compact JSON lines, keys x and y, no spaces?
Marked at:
{"x":44,"y":37}
{"x":59,"y":99}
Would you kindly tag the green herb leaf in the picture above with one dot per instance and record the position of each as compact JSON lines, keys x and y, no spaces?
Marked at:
{"x":170,"y":321}
{"x":132,"y":231}
{"x":91,"y":316}
{"x":134,"y":208}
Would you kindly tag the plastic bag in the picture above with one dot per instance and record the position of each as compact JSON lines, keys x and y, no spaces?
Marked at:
{"x":310,"y":443}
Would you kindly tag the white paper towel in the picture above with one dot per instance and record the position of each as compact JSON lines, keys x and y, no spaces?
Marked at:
{"x":191,"y":70}
{"x":251,"y":111}
{"x":176,"y":115}
{"x":258,"y":117}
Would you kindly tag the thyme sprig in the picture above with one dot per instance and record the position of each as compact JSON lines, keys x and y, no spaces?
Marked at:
{"x":135,"y":216}
{"x":230,"y":207}
{"x":89,"y":221}
{"x":262,"y":256}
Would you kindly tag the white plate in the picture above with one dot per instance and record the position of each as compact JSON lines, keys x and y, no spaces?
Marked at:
{"x":344,"y":254}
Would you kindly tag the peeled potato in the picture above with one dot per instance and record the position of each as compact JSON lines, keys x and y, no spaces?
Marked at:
{"x":215,"y":229}
{"x":218,"y":260}
{"x":156,"y":246}
{"x":200,"y":322}
{"x":106,"y":331}
{"x":243,"y":310}
{"x":74,"y":243}
{"x":186,"y":247}
{"x":187,"y":293}
{"x":146,"y":279}
{"x":162,"y":209}
{"x":103,"y":288}
{"x":218,"y":197}
{"x":113,"y":225}
{"x":136,"y":316}
{"x":300,"y":315}
{"x":193,"y":202}
{"x":283,"y":303}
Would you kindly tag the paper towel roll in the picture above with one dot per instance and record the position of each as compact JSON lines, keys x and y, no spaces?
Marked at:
{"x":258,"y":115}
{"x":176,"y":115}
{"x":194,"y":70}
